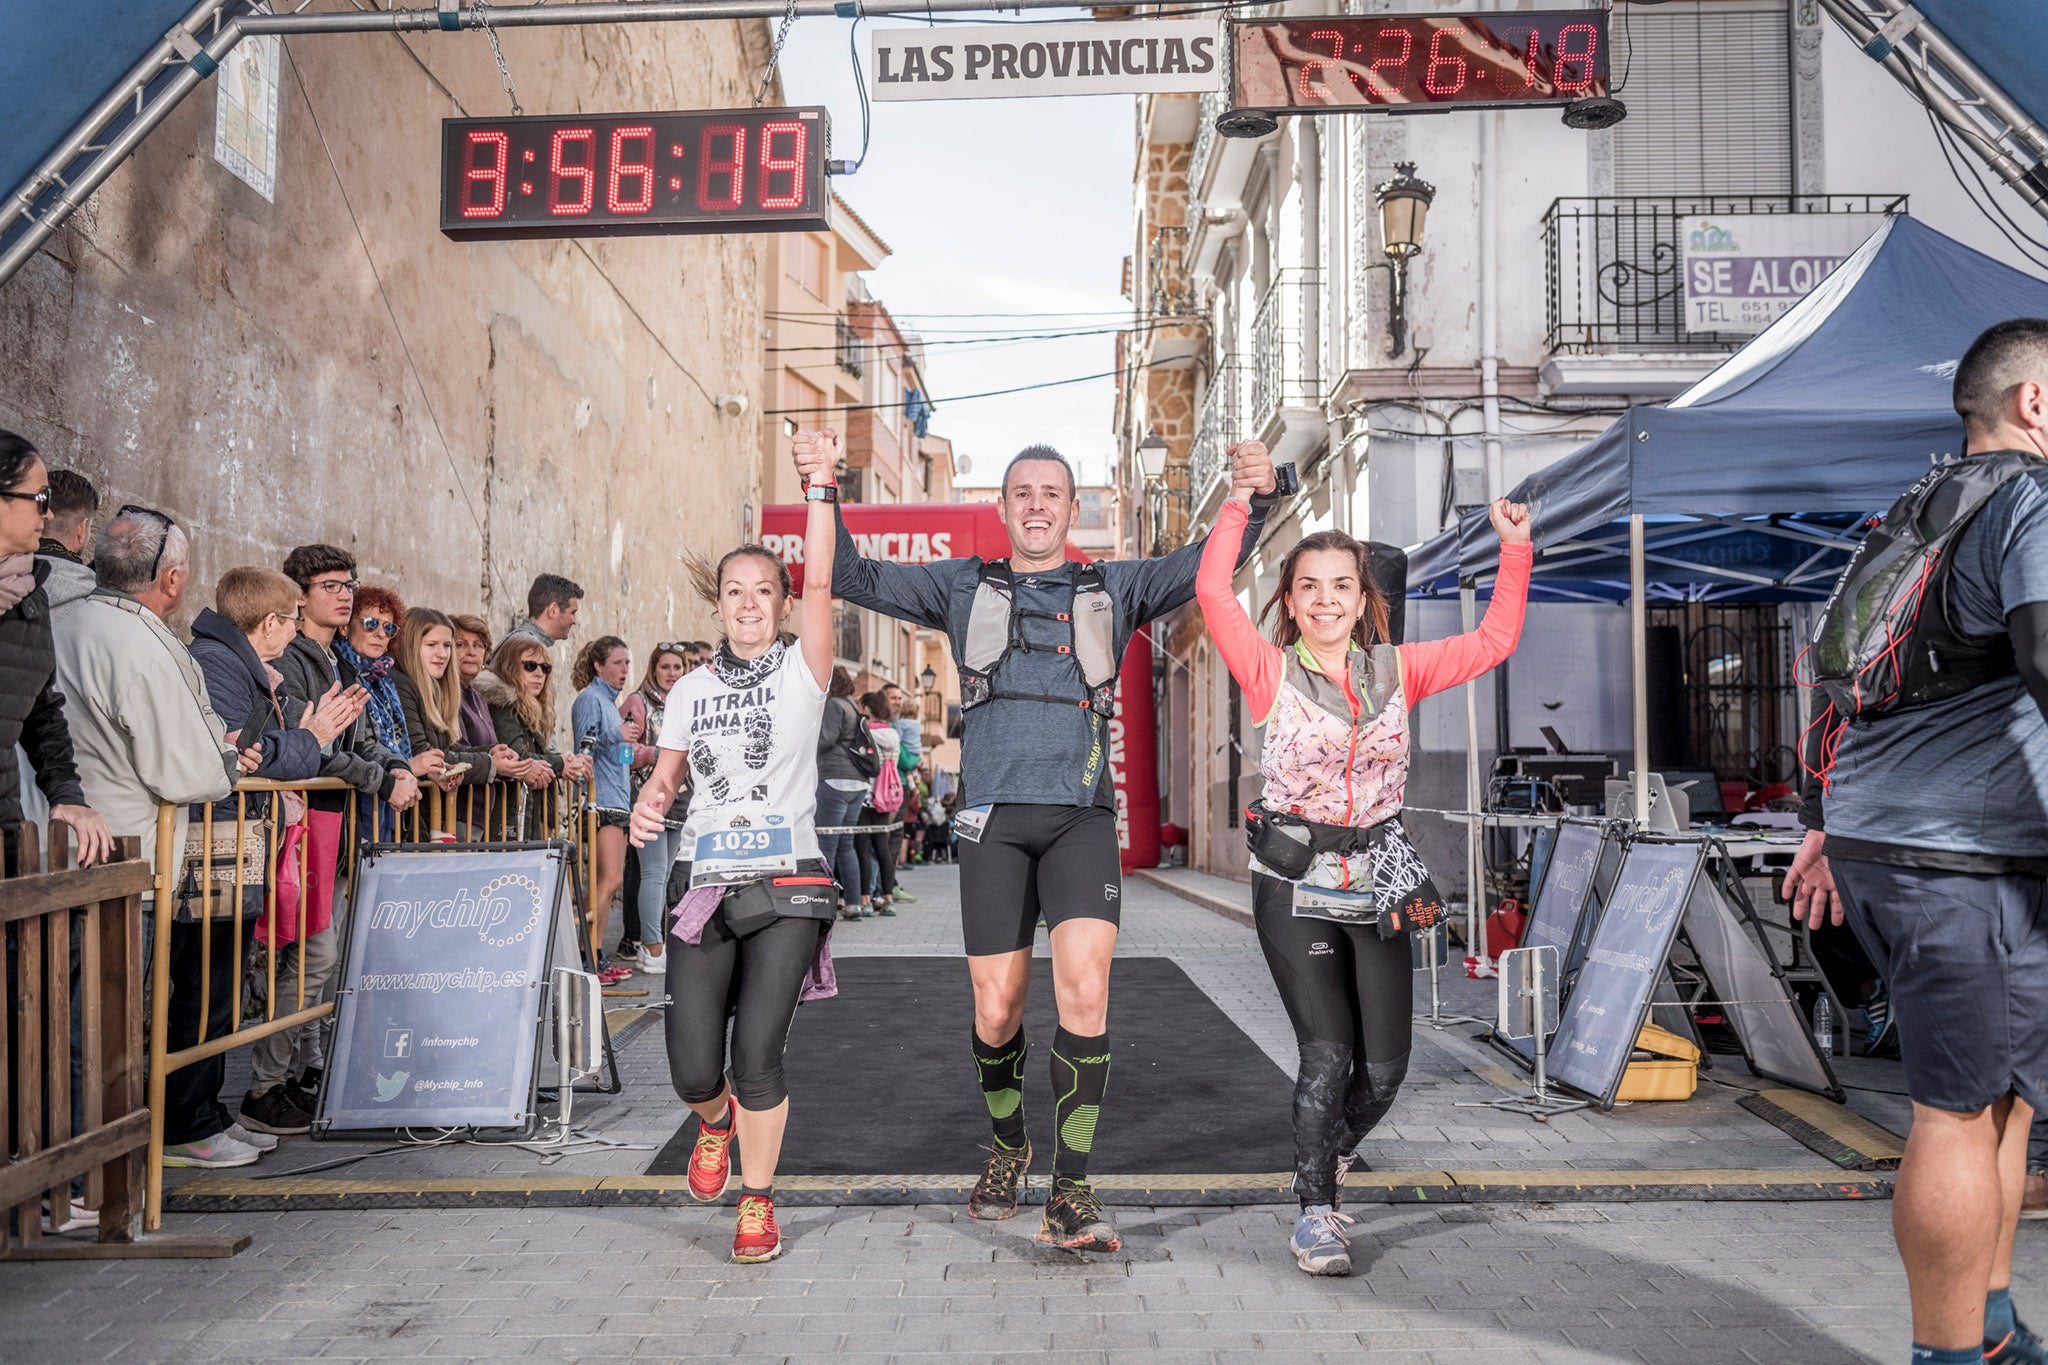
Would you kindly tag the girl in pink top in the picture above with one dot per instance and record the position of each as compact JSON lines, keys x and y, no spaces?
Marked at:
{"x":1333,"y":696}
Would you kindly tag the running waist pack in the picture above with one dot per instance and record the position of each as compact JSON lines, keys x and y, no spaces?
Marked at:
{"x":752,"y":905}
{"x":1407,"y":899}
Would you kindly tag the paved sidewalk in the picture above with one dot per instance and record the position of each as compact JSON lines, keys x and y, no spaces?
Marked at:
{"x":1708,"y":1283}
{"x":1527,"y":1281}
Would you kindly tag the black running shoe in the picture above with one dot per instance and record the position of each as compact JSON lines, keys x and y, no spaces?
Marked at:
{"x":995,"y":1194}
{"x":1073,"y":1219}
{"x":275,"y":1111}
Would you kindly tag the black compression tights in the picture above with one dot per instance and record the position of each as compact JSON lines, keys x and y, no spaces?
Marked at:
{"x":1349,"y":995}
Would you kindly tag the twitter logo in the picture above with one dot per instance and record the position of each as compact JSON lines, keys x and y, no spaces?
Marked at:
{"x":390,"y":1088}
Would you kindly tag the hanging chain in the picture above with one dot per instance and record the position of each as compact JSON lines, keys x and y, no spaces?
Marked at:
{"x":504,"y":72}
{"x":775,"y":53}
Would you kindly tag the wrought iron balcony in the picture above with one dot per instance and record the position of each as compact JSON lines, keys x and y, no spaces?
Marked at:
{"x":1213,"y":102}
{"x":1613,"y":266}
{"x":1172,"y":293}
{"x":1219,"y":425}
{"x":1283,"y":372}
{"x":849,"y":344}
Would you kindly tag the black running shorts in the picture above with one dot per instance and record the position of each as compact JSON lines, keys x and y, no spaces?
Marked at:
{"x":1966,"y":958}
{"x":1059,"y":861}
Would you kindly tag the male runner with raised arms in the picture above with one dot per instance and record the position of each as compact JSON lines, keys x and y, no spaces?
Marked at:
{"x":1037,"y":825}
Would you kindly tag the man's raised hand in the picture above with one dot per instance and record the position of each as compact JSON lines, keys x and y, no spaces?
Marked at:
{"x":1251,"y":469}
{"x":816,"y":454}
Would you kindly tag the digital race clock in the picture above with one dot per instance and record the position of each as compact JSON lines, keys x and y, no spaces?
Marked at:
{"x":718,"y":170}
{"x":1414,"y":63}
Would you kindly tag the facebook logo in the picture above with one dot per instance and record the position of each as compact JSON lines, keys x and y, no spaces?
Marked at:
{"x":398,"y":1042}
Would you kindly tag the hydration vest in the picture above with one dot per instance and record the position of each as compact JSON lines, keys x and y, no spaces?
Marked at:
{"x":995,"y":627}
{"x":1884,"y":641}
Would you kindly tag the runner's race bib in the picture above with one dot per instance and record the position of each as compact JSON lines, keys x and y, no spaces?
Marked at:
{"x":748,"y":842}
{"x":1326,"y":902}
{"x":970,"y":824}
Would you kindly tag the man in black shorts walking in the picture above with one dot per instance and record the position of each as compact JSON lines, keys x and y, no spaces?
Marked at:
{"x":1936,"y":843}
{"x":1038,"y":639}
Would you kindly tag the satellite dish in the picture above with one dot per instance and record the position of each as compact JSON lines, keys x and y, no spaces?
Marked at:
{"x":963,"y":464}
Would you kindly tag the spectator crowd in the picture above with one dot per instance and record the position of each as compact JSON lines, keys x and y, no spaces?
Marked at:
{"x":303,"y":671}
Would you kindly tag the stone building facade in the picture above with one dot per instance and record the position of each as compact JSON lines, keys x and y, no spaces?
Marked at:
{"x":326,"y":366}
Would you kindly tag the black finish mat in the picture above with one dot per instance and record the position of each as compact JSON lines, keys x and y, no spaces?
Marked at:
{"x":882,"y":1081}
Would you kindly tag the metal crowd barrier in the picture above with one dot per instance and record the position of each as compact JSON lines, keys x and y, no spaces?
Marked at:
{"x":488,"y":812}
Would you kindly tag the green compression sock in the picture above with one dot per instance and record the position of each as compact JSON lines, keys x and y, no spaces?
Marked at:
{"x":1080,"y":1075}
{"x":1002,"y":1085}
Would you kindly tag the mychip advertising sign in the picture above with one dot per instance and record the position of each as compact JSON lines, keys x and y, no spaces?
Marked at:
{"x":446,"y":983}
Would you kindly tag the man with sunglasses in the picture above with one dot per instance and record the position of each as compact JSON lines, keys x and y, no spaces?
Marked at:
{"x":316,"y":674}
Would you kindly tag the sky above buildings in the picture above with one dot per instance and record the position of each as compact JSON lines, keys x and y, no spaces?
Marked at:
{"x":1018,"y":209}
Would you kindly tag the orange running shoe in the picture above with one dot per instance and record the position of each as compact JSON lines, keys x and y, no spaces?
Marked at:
{"x":711,"y":1161}
{"x":758,"y":1238}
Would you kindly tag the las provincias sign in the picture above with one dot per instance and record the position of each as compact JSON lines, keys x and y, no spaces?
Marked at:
{"x":1160,"y":56}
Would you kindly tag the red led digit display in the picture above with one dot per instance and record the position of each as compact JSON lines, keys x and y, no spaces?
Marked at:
{"x":1397,"y":62}
{"x":721,"y":170}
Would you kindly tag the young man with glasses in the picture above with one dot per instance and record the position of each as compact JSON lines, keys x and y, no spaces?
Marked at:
{"x":315,"y":675}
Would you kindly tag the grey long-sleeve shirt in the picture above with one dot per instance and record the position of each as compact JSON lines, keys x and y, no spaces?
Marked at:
{"x":1025,"y":751}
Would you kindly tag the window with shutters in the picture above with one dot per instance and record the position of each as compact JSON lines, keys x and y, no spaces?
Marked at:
{"x":1709,"y":95}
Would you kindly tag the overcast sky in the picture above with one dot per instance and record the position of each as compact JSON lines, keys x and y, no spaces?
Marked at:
{"x":1019,"y":207}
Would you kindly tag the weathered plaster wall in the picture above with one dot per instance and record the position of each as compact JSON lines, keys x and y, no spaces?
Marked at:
{"x":331,"y":368}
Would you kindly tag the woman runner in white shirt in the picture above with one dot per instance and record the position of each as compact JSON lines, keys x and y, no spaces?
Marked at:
{"x":750,"y":900}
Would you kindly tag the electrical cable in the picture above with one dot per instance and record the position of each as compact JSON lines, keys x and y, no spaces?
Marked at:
{"x":965,"y":397}
{"x":1946,"y":138}
{"x":377,"y":277}
{"x":860,"y":85}
{"x":878,"y":344}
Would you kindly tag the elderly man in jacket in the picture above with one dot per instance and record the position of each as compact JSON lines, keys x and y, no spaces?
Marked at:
{"x":145,"y":737}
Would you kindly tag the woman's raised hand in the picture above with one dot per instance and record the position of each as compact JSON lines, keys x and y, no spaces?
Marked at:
{"x":1511,"y":520}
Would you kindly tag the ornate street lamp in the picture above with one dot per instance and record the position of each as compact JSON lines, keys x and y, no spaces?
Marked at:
{"x":1404,"y":211}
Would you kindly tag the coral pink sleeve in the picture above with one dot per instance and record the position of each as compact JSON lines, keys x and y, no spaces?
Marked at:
{"x":1252,"y":659}
{"x":1439,"y":664}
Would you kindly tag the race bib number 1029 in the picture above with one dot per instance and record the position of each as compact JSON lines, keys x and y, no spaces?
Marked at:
{"x":747,"y":846}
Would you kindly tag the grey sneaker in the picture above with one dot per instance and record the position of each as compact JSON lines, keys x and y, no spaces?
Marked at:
{"x":215,"y":1153}
{"x":262,"y":1142}
{"x":1319,"y":1245}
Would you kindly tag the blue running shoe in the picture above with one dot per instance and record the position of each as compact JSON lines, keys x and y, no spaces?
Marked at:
{"x":1877,"y":1018}
{"x":2017,"y":1347}
{"x":1319,"y":1245}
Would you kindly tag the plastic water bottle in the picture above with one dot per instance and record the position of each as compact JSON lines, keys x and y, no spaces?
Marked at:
{"x":1824,"y":1024}
{"x":623,"y":755}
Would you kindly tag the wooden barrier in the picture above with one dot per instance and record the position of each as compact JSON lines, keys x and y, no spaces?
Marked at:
{"x":40,"y":912}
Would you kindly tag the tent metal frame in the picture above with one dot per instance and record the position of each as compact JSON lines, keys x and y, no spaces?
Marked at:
{"x":195,"y":46}
{"x":1933,"y":70}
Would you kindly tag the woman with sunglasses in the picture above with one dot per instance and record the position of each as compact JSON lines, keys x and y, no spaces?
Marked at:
{"x":519,"y":685}
{"x":366,"y":646}
{"x":754,"y":901}
{"x":647,"y":868}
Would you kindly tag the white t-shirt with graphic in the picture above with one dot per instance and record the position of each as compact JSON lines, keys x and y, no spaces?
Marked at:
{"x":752,"y":738}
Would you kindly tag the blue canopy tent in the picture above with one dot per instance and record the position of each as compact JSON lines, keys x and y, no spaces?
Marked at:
{"x":1755,"y":483}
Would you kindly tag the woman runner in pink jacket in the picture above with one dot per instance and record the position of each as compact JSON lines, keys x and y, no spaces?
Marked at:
{"x":1333,"y":697}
